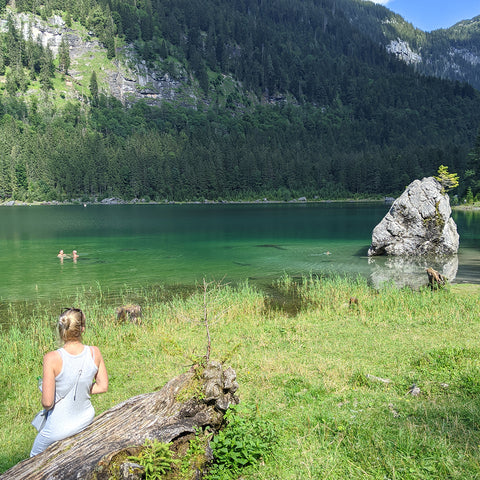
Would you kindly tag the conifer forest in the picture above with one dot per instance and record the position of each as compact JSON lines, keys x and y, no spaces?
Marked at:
{"x":320,"y":109}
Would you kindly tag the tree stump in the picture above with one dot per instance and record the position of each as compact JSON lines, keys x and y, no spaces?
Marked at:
{"x":195,"y":399}
{"x":435,"y":280}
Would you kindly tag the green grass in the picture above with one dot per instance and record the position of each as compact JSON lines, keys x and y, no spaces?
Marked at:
{"x":311,"y":371}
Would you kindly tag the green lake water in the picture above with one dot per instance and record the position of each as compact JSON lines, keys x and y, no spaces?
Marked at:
{"x":146,"y":245}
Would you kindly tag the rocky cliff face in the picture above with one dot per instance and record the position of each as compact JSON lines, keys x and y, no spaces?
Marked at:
{"x":452,"y":62}
{"x":402,"y":50}
{"x":418,"y":223}
{"x":126,"y":77}
{"x":131,"y":81}
{"x":453,"y":53}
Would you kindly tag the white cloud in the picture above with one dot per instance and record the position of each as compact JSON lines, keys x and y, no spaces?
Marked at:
{"x":381,"y":2}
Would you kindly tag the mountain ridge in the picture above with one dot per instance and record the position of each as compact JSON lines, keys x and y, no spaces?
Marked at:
{"x":129,"y":78}
{"x":235,"y":99}
{"x":449,"y":53}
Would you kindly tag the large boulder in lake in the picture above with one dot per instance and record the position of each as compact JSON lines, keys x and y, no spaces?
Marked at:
{"x":418,"y":223}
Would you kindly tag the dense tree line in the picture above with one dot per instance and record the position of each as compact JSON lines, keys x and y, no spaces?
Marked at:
{"x":170,"y":153}
{"x":335,"y":115}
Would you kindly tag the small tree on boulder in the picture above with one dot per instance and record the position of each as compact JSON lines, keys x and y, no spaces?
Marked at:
{"x":449,"y":181}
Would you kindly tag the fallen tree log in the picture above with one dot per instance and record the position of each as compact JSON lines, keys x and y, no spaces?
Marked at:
{"x":195,"y":399}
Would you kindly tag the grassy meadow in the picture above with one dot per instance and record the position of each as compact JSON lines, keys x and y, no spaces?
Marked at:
{"x":333,"y":379}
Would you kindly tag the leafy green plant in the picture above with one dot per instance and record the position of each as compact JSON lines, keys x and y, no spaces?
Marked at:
{"x":194,"y":458}
{"x":244,"y":441}
{"x":155,"y":457}
{"x":469,"y":382}
{"x":446,"y":359}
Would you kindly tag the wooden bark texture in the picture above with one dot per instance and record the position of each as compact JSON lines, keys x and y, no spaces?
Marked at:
{"x":188,"y":401}
{"x":435,"y":279}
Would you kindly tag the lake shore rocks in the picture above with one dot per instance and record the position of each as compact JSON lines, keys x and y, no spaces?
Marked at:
{"x":144,"y":201}
{"x":418,"y":223}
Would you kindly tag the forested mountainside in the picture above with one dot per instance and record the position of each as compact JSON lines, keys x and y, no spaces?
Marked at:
{"x":452,"y":53}
{"x":226,"y":99}
{"x":455,"y":53}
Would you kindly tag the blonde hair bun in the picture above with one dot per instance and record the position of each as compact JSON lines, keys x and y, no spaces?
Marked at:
{"x":71,"y":324}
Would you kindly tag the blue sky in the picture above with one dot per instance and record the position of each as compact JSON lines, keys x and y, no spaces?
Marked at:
{"x":429,"y":15}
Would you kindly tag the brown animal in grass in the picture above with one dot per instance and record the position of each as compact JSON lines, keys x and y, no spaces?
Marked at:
{"x":132,"y":313}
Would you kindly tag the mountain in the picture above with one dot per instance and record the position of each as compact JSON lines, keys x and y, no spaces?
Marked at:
{"x":452,"y":53}
{"x":224,"y":99}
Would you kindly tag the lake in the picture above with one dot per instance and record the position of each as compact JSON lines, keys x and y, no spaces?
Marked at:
{"x":148,"y":245}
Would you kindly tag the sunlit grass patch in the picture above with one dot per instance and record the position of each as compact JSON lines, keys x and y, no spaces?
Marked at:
{"x":334,"y":377}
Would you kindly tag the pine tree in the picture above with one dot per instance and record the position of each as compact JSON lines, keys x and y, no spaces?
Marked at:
{"x":64,"y":55}
{"x":2,"y":62}
{"x":472,"y":173}
{"x":68,"y":19}
{"x":94,"y":88}
{"x":46,"y":64}
{"x":163,"y":50}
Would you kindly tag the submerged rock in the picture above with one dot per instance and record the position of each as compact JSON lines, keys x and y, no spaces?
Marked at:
{"x":418,"y":223}
{"x":410,"y":271}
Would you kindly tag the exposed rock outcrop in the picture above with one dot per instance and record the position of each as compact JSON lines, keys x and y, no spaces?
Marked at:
{"x":126,"y":77}
{"x":132,"y":80}
{"x":403,"y":51}
{"x":418,"y":223}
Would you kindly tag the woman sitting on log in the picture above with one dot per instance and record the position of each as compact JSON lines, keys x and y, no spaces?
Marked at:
{"x":70,"y":375}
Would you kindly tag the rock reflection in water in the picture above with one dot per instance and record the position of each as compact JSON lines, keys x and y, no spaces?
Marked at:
{"x":410,"y":271}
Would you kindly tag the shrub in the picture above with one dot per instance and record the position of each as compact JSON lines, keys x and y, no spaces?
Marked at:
{"x":244,"y":441}
{"x":155,"y":457}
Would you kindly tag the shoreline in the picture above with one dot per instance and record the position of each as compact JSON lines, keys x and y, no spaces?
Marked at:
{"x":466,"y":207}
{"x":118,"y":201}
{"x":302,"y":200}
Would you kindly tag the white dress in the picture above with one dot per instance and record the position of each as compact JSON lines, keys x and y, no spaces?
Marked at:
{"x":75,"y":411}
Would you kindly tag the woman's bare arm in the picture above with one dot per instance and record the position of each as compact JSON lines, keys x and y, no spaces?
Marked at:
{"x":50,"y":361}
{"x":101,"y":378}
